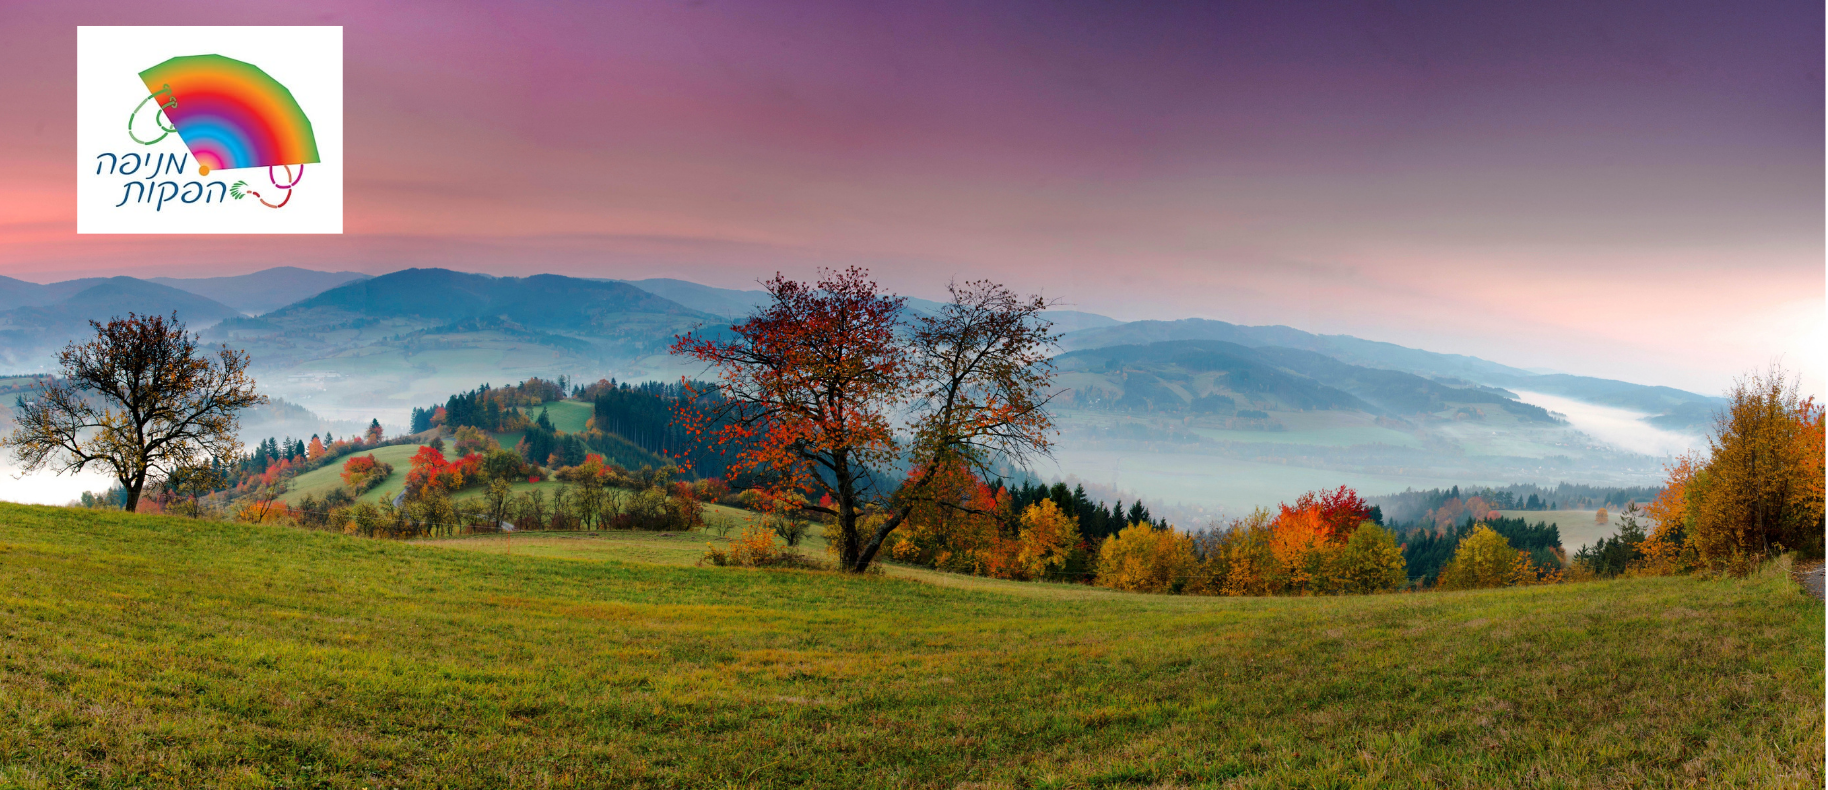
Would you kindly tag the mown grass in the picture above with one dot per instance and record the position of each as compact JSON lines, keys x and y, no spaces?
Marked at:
{"x":159,"y":652}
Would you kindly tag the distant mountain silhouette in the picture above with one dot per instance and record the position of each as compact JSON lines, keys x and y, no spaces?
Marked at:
{"x":1219,"y":376}
{"x":1669,"y":407}
{"x":264,"y":290}
{"x":590,"y":322}
{"x":1345,"y":348}
{"x":30,"y":333}
{"x":546,"y":301}
{"x":731,"y":303}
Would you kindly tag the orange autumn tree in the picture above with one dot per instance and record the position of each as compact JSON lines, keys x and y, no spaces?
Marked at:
{"x":954,"y":528}
{"x":1302,"y":542}
{"x":1666,"y":551}
{"x":809,"y":386}
{"x":1761,"y":490}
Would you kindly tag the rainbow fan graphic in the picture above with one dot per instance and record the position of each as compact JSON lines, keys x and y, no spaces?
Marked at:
{"x":230,"y":115}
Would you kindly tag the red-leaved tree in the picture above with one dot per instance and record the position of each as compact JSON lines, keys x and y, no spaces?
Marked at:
{"x":1340,"y":511}
{"x":811,"y":387}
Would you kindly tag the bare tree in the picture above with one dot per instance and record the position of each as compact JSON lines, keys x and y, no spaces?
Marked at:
{"x":141,"y":399}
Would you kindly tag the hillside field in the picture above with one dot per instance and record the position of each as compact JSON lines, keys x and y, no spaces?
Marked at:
{"x":162,"y":652}
{"x":567,"y":416}
{"x":1577,"y":527}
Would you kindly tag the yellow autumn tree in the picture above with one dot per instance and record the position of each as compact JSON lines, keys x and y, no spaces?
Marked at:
{"x":1761,"y":490}
{"x":1371,"y":561}
{"x":1046,"y":539}
{"x":1236,"y":559}
{"x":1142,"y":558}
{"x":1485,"y":559}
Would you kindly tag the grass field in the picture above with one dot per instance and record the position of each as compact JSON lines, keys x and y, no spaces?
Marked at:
{"x":158,"y":652}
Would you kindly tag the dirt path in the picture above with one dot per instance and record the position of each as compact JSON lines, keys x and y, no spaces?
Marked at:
{"x":1809,"y":575}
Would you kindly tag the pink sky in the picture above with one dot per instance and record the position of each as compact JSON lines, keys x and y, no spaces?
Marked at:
{"x":1624,"y":190}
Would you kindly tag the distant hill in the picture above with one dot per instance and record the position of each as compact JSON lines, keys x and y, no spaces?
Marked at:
{"x":402,"y":329}
{"x":727,"y":302}
{"x":30,"y":333}
{"x":264,"y":290}
{"x":546,"y":301}
{"x":731,"y":303}
{"x":1219,"y":377}
{"x":1345,"y":348}
{"x":1670,"y":408}
{"x":19,"y":293}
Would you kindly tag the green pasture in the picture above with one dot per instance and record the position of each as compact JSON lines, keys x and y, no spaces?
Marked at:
{"x":567,"y":416}
{"x":141,"y":651}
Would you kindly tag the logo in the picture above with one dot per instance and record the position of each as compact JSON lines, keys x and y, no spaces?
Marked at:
{"x":214,"y":141}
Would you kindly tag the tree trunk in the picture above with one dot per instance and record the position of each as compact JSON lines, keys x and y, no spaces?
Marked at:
{"x":131,"y":502}
{"x":868,"y":555}
{"x":847,"y":512}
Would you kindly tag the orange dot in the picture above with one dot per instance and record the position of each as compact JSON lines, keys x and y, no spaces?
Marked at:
{"x":202,"y":169}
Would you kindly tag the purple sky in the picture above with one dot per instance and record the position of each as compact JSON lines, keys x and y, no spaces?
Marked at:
{"x":1626,"y":190}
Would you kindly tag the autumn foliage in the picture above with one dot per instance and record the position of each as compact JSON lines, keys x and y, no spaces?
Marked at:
{"x":1756,"y":492}
{"x":430,"y":471}
{"x":1486,"y":559}
{"x":1321,"y":544}
{"x":363,"y":472}
{"x":1142,"y":558}
{"x":830,"y":380}
{"x":966,"y":527}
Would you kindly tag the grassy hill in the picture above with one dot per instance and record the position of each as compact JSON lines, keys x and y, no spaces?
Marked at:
{"x":329,"y":478}
{"x":151,"y":651}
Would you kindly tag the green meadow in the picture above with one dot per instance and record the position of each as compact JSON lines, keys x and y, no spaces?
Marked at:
{"x":567,"y":416}
{"x":142,"y":651}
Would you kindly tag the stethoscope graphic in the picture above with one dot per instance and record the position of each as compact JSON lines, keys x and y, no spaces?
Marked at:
{"x":238,"y":189}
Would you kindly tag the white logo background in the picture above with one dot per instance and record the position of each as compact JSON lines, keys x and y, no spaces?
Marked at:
{"x":307,"y":60}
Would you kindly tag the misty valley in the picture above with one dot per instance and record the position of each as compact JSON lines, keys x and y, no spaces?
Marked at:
{"x":1202,"y":419}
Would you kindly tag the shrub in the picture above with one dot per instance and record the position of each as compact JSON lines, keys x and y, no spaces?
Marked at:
{"x":790,"y":526}
{"x":720,"y":524}
{"x":1142,"y":558}
{"x":755,"y":548}
{"x":711,"y":489}
{"x":261,"y":511}
{"x":652,"y":509}
{"x":499,"y":464}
